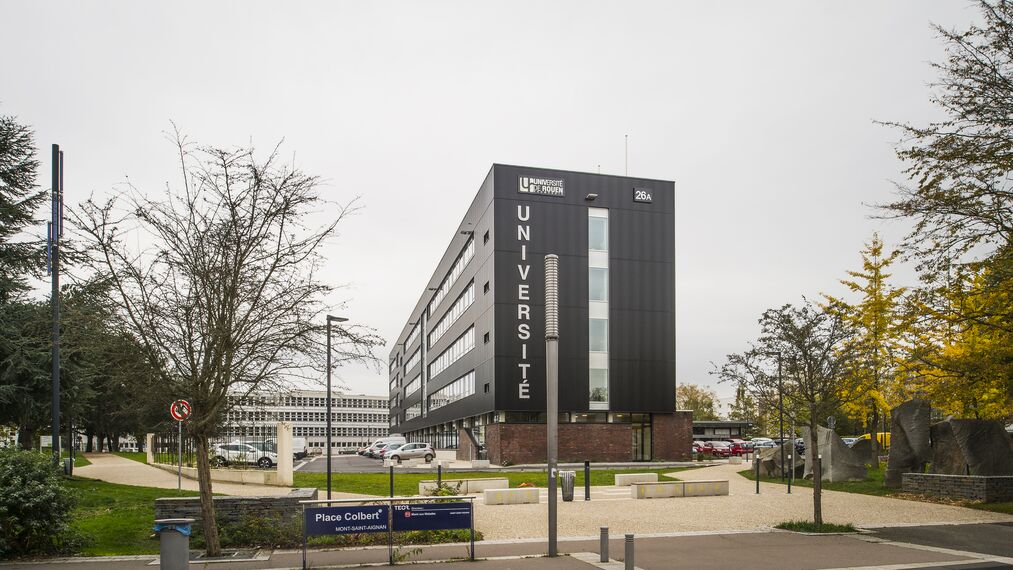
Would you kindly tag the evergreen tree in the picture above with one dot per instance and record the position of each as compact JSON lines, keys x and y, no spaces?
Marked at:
{"x":879,"y":326}
{"x":19,"y":201}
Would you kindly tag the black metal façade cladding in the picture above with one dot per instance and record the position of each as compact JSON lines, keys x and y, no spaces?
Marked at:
{"x":641,"y":295}
{"x":641,"y":289}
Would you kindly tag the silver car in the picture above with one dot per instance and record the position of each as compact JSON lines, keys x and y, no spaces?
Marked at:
{"x":412,"y":451}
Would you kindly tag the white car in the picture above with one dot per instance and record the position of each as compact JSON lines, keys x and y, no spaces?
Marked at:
{"x":244,"y":454}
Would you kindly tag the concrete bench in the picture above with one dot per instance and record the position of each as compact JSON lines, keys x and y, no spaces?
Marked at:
{"x":656,"y":490}
{"x":626,"y":479}
{"x":519,"y":496}
{"x":705,"y":488}
{"x":466,"y":486}
{"x":665,"y":489}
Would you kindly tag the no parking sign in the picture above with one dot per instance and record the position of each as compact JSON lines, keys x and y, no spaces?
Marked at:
{"x":180,"y":410}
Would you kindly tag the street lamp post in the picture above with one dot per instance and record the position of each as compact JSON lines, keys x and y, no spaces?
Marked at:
{"x":780,"y":409}
{"x":330,"y":319}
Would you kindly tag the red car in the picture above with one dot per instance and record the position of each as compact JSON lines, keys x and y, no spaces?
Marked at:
{"x":698,"y":447}
{"x":718,"y":448}
{"x":740,"y":447}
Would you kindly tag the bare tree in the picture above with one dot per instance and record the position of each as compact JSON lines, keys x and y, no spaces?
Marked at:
{"x":227,"y":298}
{"x":817,"y":373}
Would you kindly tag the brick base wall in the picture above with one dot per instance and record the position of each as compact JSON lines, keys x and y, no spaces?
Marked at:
{"x":231,"y":510}
{"x":465,"y":449}
{"x":673,"y":436}
{"x":972,"y":487}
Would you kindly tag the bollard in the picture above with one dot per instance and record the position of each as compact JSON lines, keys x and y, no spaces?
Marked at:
{"x":629,"y":552}
{"x":587,"y":480}
{"x":791,"y":471}
{"x":603,"y":545}
{"x":439,"y":476}
{"x":391,"y":480}
{"x":755,"y":461}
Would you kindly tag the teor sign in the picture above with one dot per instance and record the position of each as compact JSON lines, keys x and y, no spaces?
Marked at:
{"x":432,"y":516}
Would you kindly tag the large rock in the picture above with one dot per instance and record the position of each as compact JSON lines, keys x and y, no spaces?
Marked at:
{"x":910,"y":447}
{"x":770,"y":461}
{"x":839,"y":463}
{"x":970,"y":447}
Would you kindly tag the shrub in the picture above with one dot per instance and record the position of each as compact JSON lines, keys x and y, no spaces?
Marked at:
{"x":34,"y":507}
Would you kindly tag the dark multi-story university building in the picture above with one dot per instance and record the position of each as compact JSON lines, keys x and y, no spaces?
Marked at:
{"x":468,"y":370}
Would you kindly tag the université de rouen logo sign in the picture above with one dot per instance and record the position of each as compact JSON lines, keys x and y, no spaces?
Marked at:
{"x":543,"y":186}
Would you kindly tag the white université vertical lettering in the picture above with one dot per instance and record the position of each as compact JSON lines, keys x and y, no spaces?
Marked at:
{"x":523,"y":309}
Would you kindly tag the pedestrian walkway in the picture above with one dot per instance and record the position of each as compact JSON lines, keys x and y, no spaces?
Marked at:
{"x":112,"y":468}
{"x":742,"y":509}
{"x":772,"y":550}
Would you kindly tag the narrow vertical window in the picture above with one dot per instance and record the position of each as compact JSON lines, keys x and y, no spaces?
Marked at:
{"x":598,"y":308}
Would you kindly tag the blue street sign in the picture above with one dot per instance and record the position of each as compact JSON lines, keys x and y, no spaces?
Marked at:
{"x":432,"y":516}
{"x":346,"y":520}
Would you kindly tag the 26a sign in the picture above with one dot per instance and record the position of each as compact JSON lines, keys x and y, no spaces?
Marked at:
{"x":180,"y":410}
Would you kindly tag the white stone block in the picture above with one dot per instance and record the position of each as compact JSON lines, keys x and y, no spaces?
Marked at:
{"x":524,"y":495}
{"x":624,"y":479}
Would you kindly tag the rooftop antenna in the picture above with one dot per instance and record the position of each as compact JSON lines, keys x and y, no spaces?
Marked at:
{"x":627,"y":144}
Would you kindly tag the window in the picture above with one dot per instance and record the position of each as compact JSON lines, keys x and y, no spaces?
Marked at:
{"x":455,"y":271}
{"x":599,"y":385}
{"x":413,"y":412}
{"x":413,"y":386}
{"x":599,"y":335}
{"x":413,"y":361}
{"x":597,"y":233}
{"x":461,"y":346}
{"x":598,"y":308}
{"x":486,"y":390}
{"x":598,"y":284}
{"x":465,"y":300}
{"x":414,"y":335}
{"x":485,"y":288}
{"x":460,"y":388}
{"x":485,"y":338}
{"x":485,"y":238}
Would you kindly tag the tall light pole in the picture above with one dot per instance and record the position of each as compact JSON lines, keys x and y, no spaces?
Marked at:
{"x":552,"y":384}
{"x":780,"y":409}
{"x":330,"y":319}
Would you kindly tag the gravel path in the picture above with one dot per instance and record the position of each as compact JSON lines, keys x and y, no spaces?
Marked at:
{"x":741,"y":510}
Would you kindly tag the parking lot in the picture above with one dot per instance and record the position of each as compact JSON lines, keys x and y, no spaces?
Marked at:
{"x":341,"y":464}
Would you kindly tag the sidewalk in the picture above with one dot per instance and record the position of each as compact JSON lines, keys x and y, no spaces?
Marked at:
{"x":112,"y":468}
{"x":754,"y":550}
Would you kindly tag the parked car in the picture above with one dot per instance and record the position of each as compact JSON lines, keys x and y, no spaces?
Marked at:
{"x":698,"y":447}
{"x":849,"y":441}
{"x":387,"y":449}
{"x":375,"y":449}
{"x":244,"y":454}
{"x":413,"y":451}
{"x":759,"y":442}
{"x":719,"y":448}
{"x":740,"y":447}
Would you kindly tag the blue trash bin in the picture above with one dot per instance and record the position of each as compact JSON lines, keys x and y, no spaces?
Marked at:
{"x":174,"y":543}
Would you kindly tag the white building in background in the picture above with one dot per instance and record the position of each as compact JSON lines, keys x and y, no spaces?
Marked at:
{"x":356,"y":419}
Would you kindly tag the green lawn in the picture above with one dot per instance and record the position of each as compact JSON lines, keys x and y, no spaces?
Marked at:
{"x":874,"y":486}
{"x":117,"y":518}
{"x":139,"y":456}
{"x":408,"y":483}
{"x":79,"y":459}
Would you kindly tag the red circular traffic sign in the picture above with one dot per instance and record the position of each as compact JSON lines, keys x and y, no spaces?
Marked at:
{"x":180,"y":410}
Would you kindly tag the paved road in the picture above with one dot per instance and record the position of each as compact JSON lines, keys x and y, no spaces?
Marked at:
{"x":995,"y":539}
{"x":342,"y":464}
{"x":754,"y":550}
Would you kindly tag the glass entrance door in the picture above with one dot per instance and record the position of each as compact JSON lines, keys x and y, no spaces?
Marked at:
{"x":642,"y":437}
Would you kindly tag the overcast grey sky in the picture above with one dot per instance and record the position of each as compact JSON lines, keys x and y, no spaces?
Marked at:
{"x":762,"y":113}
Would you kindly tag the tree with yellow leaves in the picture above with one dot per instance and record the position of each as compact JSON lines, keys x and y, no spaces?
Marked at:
{"x":877,"y":319}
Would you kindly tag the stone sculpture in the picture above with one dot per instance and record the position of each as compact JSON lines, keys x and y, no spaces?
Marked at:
{"x":770,"y":461}
{"x":970,"y":447}
{"x":910,"y":447}
{"x":839,"y":463}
